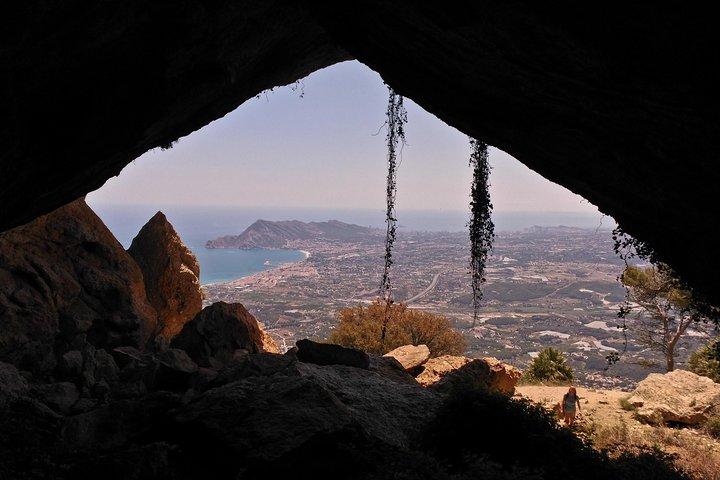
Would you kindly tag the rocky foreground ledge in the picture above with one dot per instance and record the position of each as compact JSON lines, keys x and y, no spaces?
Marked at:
{"x":111,"y":368}
{"x":212,"y":401}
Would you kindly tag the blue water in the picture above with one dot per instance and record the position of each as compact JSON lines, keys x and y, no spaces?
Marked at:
{"x":196,"y":225}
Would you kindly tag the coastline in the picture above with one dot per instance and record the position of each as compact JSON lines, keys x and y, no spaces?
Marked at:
{"x":271,"y":277}
{"x":231,"y":265}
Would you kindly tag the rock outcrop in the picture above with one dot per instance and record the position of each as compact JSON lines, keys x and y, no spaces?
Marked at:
{"x":217,"y":332}
{"x":268,"y":343}
{"x":171,"y":274}
{"x":410,"y":356}
{"x":441,"y":372}
{"x":289,"y":409}
{"x":679,"y":396}
{"x":330,"y":354}
{"x":65,"y":282}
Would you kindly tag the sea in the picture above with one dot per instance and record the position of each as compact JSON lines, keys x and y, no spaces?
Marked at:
{"x":198,"y":224}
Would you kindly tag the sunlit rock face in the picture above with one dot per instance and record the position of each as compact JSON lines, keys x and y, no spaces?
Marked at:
{"x":171,"y":274}
{"x":618,"y":106}
{"x":65,"y":281}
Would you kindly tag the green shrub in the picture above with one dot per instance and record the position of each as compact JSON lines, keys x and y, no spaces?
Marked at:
{"x":548,"y":367}
{"x":626,"y":405}
{"x":705,"y":361}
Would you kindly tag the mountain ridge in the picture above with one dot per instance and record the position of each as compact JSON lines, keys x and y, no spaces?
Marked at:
{"x":277,"y":234}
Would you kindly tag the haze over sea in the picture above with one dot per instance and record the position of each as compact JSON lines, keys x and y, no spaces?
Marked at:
{"x":197,"y":225}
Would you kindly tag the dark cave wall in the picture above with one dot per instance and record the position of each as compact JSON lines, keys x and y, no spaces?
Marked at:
{"x":616,"y":102}
{"x":88,"y":86}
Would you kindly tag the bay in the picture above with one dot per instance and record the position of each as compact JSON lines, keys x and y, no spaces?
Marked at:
{"x":198,"y":224}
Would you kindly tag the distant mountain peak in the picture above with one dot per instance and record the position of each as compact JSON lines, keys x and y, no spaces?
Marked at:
{"x":277,"y":234}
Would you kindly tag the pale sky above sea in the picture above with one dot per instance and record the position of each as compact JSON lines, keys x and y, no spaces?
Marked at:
{"x":321,"y":143}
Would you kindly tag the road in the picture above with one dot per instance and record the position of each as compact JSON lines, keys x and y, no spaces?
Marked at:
{"x":429,"y":289}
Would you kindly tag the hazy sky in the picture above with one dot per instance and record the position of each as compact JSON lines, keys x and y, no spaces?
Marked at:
{"x":323,"y":145}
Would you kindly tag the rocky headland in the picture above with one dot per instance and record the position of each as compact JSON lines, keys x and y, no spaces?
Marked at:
{"x":269,"y":234}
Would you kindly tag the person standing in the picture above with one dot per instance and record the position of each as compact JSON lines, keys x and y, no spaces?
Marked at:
{"x":568,"y":406}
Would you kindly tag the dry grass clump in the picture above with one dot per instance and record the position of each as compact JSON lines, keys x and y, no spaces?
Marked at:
{"x":692,"y":451}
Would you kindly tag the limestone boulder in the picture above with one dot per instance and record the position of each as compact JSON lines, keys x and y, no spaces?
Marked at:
{"x":64,"y":276}
{"x":442,"y":372}
{"x":213,"y":336}
{"x":410,"y":356}
{"x":171,"y":274}
{"x":679,"y":396}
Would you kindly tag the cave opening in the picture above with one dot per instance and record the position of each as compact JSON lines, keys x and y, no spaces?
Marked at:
{"x":314,"y":151}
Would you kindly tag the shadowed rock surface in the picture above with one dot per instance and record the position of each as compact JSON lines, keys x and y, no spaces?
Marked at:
{"x":331,"y":354}
{"x":64,"y":281}
{"x":288,"y":409}
{"x":171,"y":274}
{"x":213,"y":336}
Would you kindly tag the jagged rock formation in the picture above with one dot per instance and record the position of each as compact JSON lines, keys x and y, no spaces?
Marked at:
{"x":442,"y":372}
{"x":618,"y":108}
{"x":171,"y":274}
{"x":67,"y":285}
{"x":679,"y":396}
{"x":266,"y":234}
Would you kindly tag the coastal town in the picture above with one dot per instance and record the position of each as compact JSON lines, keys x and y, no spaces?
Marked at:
{"x":546,"y":286}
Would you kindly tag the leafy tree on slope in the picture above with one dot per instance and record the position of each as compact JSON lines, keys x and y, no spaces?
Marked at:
{"x":663,"y":308}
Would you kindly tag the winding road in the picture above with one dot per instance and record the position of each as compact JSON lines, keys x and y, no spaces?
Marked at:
{"x":429,"y":289}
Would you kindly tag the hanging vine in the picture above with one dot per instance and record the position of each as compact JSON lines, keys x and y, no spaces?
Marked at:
{"x":480,"y":226}
{"x":396,"y":119}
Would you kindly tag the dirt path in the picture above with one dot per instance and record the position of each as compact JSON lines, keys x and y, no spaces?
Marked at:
{"x":600,"y":406}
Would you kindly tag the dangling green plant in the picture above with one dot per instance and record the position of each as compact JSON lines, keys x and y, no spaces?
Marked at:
{"x":481,"y":227}
{"x":396,"y":119}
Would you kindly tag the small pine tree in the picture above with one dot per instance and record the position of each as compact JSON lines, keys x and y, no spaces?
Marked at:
{"x":705,"y":361}
{"x":549,"y":366}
